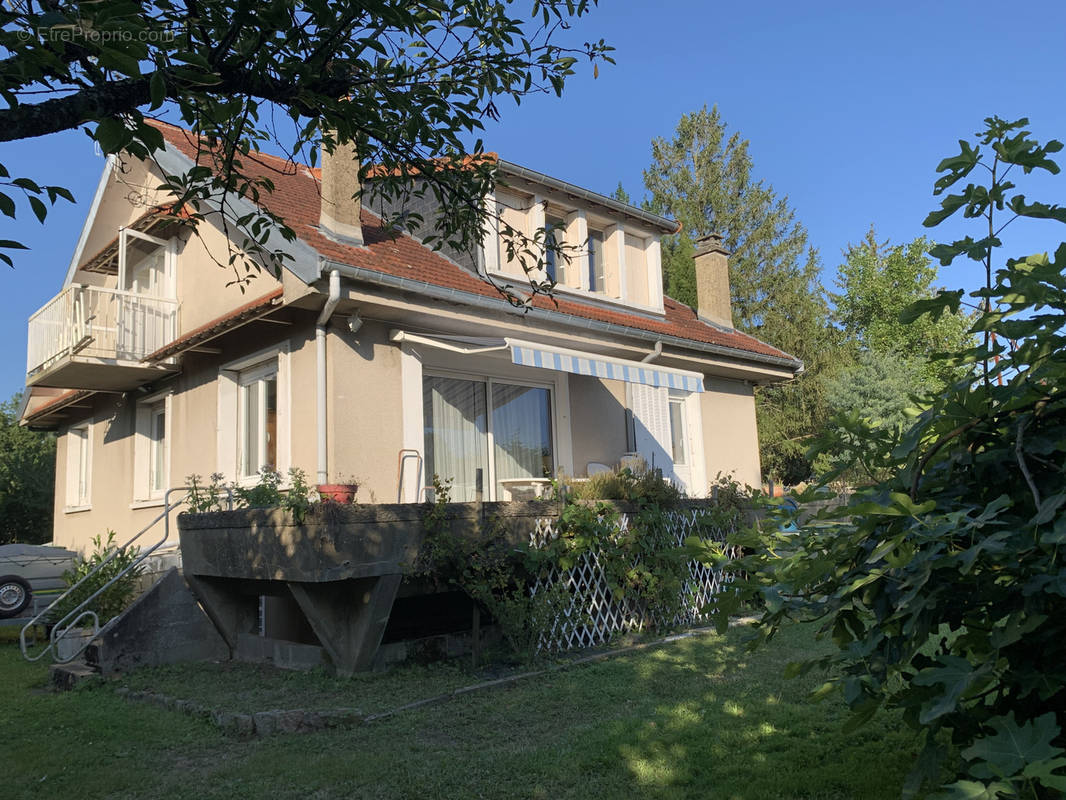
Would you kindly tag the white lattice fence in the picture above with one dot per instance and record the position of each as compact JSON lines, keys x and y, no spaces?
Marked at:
{"x":593,"y":614}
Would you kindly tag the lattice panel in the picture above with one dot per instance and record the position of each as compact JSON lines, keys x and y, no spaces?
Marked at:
{"x":594,"y":615}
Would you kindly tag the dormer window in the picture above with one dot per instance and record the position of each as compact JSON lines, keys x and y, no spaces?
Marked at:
{"x":554,"y":263}
{"x":636,"y":270}
{"x":597,"y":272}
{"x":592,"y":252}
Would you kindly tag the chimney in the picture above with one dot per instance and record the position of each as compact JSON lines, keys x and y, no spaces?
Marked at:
{"x":712,"y":280}
{"x":339,"y":217}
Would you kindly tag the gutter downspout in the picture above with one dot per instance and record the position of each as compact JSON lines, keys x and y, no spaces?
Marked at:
{"x":320,"y":354}
{"x":655,"y":353}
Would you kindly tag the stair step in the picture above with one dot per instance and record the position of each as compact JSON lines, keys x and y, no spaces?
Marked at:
{"x":66,"y":676}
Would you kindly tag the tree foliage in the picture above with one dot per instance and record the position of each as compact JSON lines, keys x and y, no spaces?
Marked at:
{"x":27,"y":479}
{"x":943,"y":585}
{"x":405,"y":82}
{"x":878,"y":280}
{"x":872,"y":393}
{"x":703,"y":178}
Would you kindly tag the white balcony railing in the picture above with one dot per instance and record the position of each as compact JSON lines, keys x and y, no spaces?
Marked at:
{"x":99,"y":323}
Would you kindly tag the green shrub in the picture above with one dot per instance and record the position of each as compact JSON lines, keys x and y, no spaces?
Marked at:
{"x":266,"y":493}
{"x":643,"y":486}
{"x":943,"y":584}
{"x":113,"y":600}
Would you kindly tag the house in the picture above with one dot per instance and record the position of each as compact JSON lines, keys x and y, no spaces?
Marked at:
{"x":372,"y":358}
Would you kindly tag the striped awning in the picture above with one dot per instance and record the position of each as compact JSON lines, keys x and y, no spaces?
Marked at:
{"x":526,"y":354}
{"x":543,"y":356}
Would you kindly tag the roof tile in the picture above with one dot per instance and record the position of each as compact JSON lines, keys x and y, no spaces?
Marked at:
{"x":296,"y":198}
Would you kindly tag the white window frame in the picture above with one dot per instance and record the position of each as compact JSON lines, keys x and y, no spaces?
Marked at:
{"x":675,"y":399}
{"x":450,"y":365}
{"x":144,"y":449}
{"x":254,"y":376}
{"x":697,"y":454}
{"x":169,"y":260}
{"x":576,"y":223}
{"x":228,"y":423}
{"x":79,"y":454}
{"x":487,"y":381}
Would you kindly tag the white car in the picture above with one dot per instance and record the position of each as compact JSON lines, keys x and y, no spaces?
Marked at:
{"x":26,"y":569}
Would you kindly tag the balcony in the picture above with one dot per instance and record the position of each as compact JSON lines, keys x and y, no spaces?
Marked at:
{"x":90,"y":337}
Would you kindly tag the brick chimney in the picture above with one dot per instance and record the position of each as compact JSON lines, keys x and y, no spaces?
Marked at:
{"x":339,"y":216}
{"x":712,"y":280}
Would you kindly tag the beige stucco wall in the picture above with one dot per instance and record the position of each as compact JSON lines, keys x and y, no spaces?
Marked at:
{"x":206,"y":285}
{"x":365,"y":409}
{"x":597,"y":420}
{"x":207,"y":288}
{"x":193,"y":434}
{"x":129,"y":193}
{"x":730,"y":437}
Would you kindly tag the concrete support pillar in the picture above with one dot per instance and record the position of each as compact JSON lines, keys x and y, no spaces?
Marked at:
{"x":348,"y":617}
{"x":232,"y":610}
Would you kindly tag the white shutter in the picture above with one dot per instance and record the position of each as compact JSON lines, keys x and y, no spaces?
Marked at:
{"x":651,"y":425}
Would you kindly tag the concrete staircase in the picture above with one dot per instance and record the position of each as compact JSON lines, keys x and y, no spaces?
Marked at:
{"x":165,"y":625}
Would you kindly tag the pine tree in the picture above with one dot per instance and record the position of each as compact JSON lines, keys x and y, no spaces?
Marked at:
{"x":703,"y":178}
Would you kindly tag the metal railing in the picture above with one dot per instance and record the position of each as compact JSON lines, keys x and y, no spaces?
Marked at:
{"x":99,"y":322}
{"x":61,"y":627}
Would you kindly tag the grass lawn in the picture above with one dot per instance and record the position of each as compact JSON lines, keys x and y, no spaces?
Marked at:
{"x":699,"y":718}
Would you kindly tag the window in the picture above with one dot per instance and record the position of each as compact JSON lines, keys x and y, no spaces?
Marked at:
{"x":554,"y":263}
{"x":678,"y":434}
{"x":258,"y":419}
{"x":636,"y":270}
{"x":254,"y":427}
{"x":157,"y":475}
{"x":482,"y":432}
{"x":151,"y":459}
{"x":146,"y":263}
{"x":597,"y":274}
{"x":79,"y":467}
{"x":513,"y":217}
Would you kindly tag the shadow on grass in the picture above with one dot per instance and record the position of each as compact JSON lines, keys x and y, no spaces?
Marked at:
{"x":696,"y":718}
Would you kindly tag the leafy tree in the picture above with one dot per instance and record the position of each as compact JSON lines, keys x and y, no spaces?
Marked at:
{"x":872,"y":393}
{"x":878,"y":281}
{"x":27,"y":479}
{"x":703,"y":178}
{"x":943,"y":586}
{"x":405,"y":82}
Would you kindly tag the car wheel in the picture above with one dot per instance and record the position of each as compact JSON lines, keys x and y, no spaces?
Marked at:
{"x":15,"y":595}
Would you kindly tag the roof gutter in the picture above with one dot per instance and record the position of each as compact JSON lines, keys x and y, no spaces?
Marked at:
{"x":376,"y":278}
{"x":662,"y":223}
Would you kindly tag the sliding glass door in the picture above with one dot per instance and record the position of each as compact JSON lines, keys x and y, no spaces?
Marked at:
{"x":466,"y":420}
{"x":456,"y":431}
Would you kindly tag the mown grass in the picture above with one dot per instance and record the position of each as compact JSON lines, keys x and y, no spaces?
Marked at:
{"x":250,"y":687}
{"x":699,"y":718}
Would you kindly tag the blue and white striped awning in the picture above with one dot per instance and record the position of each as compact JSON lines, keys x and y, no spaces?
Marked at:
{"x":543,"y":356}
{"x":529,"y":355}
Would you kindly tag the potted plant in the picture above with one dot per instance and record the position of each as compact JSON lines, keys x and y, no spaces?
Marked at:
{"x":343,"y":492}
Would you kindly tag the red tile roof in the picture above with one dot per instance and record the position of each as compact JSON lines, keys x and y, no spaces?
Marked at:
{"x":219,"y":325}
{"x":55,"y":404}
{"x":296,"y":198}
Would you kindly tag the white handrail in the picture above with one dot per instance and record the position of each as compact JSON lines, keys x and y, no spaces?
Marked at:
{"x":62,"y":626}
{"x":100,"y":322}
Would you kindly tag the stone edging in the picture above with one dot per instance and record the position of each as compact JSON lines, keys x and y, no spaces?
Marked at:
{"x":267,"y":723}
{"x":259,"y":723}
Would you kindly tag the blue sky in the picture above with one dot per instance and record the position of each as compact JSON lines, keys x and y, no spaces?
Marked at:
{"x":848,"y":108}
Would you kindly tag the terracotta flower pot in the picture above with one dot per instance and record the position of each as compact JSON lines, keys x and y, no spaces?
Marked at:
{"x":338,"y":492}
